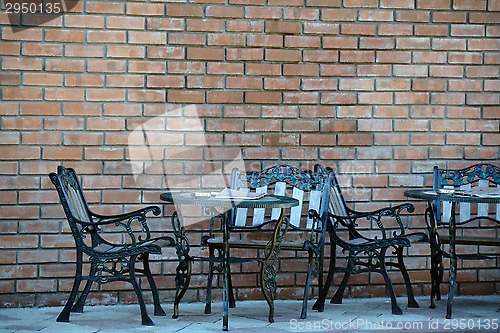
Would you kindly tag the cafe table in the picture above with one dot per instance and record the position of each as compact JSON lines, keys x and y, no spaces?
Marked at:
{"x":431,"y":196}
{"x":225,"y":206}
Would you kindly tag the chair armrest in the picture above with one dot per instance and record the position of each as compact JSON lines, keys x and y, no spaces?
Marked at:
{"x":377,"y":216}
{"x":109,"y":219}
{"x":126,"y":221}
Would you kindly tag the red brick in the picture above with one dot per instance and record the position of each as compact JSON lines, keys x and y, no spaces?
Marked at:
{"x":318,"y":139}
{"x":184,"y":11}
{"x":491,"y":139}
{"x":360,"y":3}
{"x":262,"y":13}
{"x":225,"y":39}
{"x":22,"y":64}
{"x":205,"y":53}
{"x":340,"y":42}
{"x":431,"y":30}
{"x":413,"y":16}
{"x":465,"y":85}
{"x":277,"y":55}
{"x":36,"y":49}
{"x":300,"y":97}
{"x":449,"y":17}
{"x":301,"y":69}
{"x":375,"y":98}
{"x":392,"y":84}
{"x":302,"y":41}
{"x":244,"y":26}
{"x":446,"y":71}
{"x":357,"y":56}
{"x":491,"y":18}
{"x":105,"y":7}
{"x":482,"y":99}
{"x":433,"y":4}
{"x":358,"y":29}
{"x":484,"y":44}
{"x":104,"y":37}
{"x":224,"y":68}
{"x":395,"y":29}
{"x":225,"y":97}
{"x":355,"y":139}
{"x":128,"y":22}
{"x":242,"y":54}
{"x":263,"y":97}
{"x":19,"y":94}
{"x":244,"y":83}
{"x":403,"y":4}
{"x":338,"y":98}
{"x":181,"y":96}
{"x":204,"y":25}
{"x":282,"y":27}
{"x":106,"y":66}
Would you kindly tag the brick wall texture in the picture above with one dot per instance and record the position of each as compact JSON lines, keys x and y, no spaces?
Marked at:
{"x":380,"y":90}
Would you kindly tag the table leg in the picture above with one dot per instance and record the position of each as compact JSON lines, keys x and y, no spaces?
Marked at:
{"x":453,"y":262}
{"x":436,"y":256}
{"x":225,"y":272}
{"x":183,"y":270}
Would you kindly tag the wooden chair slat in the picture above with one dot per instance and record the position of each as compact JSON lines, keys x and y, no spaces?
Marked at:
{"x":279,"y":189}
{"x":465,"y":206}
{"x":296,"y":212}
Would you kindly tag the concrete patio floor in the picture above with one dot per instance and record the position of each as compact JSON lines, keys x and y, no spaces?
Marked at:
{"x":471,"y":314}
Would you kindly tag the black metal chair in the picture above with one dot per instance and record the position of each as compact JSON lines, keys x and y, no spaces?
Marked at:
{"x":472,"y":178}
{"x":302,"y":234}
{"x":109,"y":261}
{"x":366,"y":250}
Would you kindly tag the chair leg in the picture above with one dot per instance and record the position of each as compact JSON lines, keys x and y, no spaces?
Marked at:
{"x":337,"y":298}
{"x":78,"y":307}
{"x":64,"y":315}
{"x":158,"y":311}
{"x":412,"y":302}
{"x":232,"y":302}
{"x":319,"y":305}
{"x":208,"y":299}
{"x":303,"y":314}
{"x":144,"y":314}
{"x":268,"y":286}
{"x":395,"y":307}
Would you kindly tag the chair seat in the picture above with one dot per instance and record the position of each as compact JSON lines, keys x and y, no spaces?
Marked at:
{"x":471,"y":240}
{"x":398,"y":240}
{"x":109,"y":248}
{"x":257,"y":244}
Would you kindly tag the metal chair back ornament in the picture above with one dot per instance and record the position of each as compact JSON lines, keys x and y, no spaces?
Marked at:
{"x":367,"y":253}
{"x":481,"y":176}
{"x":303,"y":234}
{"x":109,"y":261}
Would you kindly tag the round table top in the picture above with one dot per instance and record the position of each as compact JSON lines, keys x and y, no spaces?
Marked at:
{"x":189,"y":198}
{"x":430,"y":194}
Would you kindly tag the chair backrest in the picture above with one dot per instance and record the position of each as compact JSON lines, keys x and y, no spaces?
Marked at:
{"x":337,"y":205}
{"x":308,"y":187}
{"x":478,"y":175}
{"x":72,"y":199}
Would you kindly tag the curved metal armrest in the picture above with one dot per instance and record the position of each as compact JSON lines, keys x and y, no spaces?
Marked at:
{"x":386,"y":211}
{"x":140,"y":213}
{"x":376,"y":216}
{"x":125,"y":221}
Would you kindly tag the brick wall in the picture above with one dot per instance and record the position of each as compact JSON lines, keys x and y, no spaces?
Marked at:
{"x":381,"y":90}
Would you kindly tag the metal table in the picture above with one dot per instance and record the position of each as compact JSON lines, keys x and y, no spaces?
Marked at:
{"x":431,"y":195}
{"x":183,"y":271}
